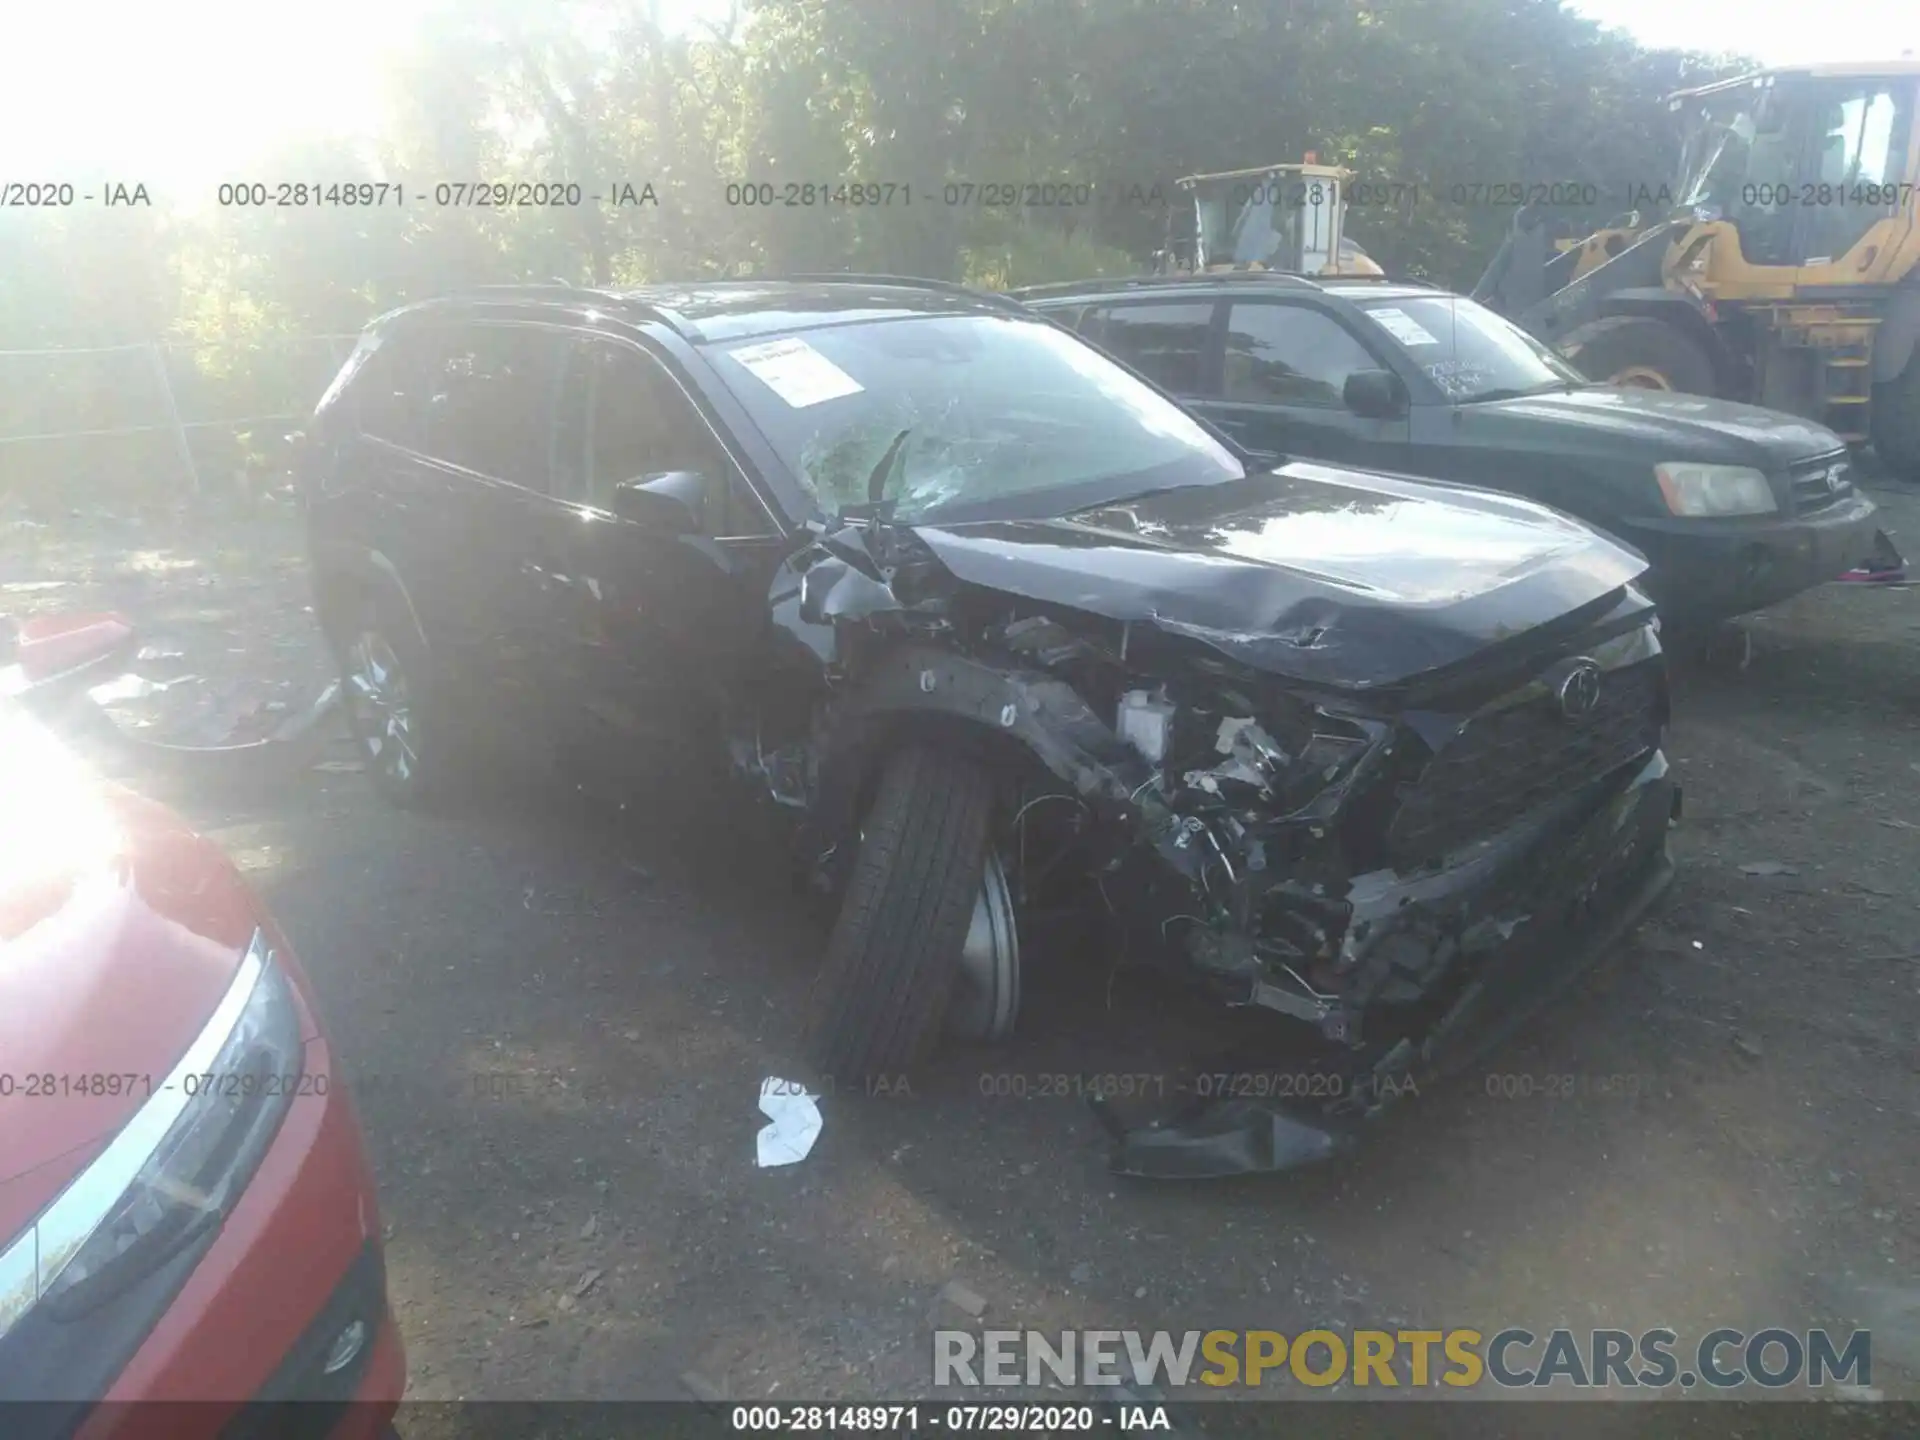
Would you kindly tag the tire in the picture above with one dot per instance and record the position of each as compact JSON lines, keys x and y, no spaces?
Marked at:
{"x":881,"y":997}
{"x":1643,"y":350}
{"x":409,"y":763}
{"x":1896,"y":423}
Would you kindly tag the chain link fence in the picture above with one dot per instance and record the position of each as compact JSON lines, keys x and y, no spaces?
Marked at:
{"x":156,"y":420}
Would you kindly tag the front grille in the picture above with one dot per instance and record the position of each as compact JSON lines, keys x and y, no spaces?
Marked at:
{"x":1820,"y":483}
{"x":1504,"y":764}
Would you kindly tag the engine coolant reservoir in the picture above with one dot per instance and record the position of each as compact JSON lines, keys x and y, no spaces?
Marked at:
{"x":1146,"y":723}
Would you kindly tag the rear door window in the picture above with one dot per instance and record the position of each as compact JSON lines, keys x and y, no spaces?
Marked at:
{"x":1166,"y":341}
{"x":388,"y":393}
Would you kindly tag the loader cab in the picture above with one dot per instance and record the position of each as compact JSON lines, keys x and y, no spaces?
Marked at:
{"x":1814,"y":170}
{"x":1288,"y":218}
{"x":1781,"y":267}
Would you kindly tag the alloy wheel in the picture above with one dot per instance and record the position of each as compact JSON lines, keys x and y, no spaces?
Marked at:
{"x":986,"y":992}
{"x":1640,"y":377}
{"x":382,"y":703}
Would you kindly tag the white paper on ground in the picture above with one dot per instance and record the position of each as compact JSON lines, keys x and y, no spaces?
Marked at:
{"x":133,"y":687}
{"x":1402,"y":326}
{"x":796,"y":1123}
{"x":796,"y":372}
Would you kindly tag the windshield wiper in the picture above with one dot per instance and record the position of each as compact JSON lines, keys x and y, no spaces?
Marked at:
{"x":1514,"y":392}
{"x":877,"y":508}
{"x":881,"y":473}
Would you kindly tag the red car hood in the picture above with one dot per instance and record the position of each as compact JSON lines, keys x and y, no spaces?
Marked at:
{"x":120,"y":929}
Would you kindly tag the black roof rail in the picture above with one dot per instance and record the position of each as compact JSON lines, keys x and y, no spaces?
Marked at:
{"x":1304,"y":277}
{"x":561,"y":290}
{"x":1379,"y":280}
{"x":1143,"y":282}
{"x":533,"y":290}
{"x":1299,"y":276}
{"x":1120,"y":284}
{"x":537,"y":287}
{"x":919,"y":282}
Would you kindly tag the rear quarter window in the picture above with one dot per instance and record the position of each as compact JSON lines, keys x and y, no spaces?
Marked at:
{"x":387,"y":391}
{"x":332,"y":398}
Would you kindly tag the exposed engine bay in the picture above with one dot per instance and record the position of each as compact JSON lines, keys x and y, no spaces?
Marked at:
{"x":1366,"y":860}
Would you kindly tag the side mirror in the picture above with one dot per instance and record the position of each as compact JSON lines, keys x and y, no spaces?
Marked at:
{"x":675,"y":501}
{"x":831,"y":589}
{"x":814,"y":585}
{"x":1375,"y":394}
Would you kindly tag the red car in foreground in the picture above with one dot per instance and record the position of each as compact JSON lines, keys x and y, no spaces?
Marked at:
{"x":186,"y":1210}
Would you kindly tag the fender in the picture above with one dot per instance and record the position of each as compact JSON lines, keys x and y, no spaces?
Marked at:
{"x":1894,"y":338}
{"x":334,"y":560}
{"x":920,"y":688}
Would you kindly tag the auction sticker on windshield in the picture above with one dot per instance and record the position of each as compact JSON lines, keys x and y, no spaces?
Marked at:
{"x":796,"y":372}
{"x":1402,"y":326}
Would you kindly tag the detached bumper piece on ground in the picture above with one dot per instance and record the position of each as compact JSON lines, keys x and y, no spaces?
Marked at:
{"x":1886,"y":566}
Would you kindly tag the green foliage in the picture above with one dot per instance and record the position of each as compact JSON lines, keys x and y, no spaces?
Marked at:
{"x":1431,"y":97}
{"x":1013,"y":253}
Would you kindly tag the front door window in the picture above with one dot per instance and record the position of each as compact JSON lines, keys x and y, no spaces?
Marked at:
{"x":1859,"y":161}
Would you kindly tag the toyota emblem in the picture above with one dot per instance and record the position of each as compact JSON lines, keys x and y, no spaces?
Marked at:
{"x":1579,"y":690}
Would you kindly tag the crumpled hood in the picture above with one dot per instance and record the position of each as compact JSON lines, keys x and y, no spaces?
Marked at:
{"x":120,"y":929}
{"x":1656,"y":425}
{"x":1334,"y":577}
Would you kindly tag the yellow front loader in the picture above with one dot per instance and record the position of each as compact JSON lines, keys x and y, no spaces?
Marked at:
{"x":1780,"y":266}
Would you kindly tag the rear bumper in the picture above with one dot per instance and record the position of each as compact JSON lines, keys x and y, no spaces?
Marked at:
{"x":1586,"y":888}
{"x":1709,"y":570}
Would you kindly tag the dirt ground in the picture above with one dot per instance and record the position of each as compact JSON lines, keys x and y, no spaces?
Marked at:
{"x":557,"y":1021}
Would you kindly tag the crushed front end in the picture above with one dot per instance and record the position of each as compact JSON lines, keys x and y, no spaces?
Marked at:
{"x":1403,"y":871}
{"x":1408,"y":880}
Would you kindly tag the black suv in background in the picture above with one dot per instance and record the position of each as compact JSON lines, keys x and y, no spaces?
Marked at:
{"x":1735,"y":507}
{"x":1008,"y":635}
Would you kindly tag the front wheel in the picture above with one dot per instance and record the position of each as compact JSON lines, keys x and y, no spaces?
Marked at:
{"x":387,"y":691}
{"x":905,"y":920}
{"x":1640,"y":353}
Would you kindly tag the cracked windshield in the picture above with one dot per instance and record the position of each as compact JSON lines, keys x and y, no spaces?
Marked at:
{"x":992,"y":410}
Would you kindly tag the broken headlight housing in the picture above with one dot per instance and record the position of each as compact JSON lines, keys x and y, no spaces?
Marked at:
{"x":176,"y":1167}
{"x":1245,"y":739}
{"x":1145,"y":721}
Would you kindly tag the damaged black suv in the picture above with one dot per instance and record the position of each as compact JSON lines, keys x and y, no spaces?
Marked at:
{"x":1006,"y":633}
